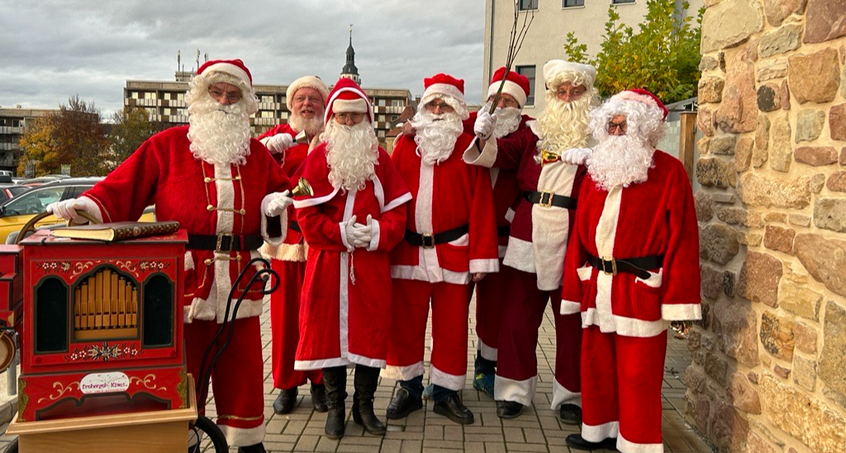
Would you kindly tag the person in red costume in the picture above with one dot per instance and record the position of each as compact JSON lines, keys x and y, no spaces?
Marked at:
{"x":632,"y":267}
{"x":450,"y":240}
{"x":355,"y":216}
{"x":225,"y":189}
{"x":534,"y":259}
{"x":305,"y":98}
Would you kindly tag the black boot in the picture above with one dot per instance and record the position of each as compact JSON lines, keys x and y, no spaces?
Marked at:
{"x":366,"y":381}
{"x":335,"y":380}
{"x":256,"y":448}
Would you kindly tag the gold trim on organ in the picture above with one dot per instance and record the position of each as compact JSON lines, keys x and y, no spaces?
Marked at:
{"x":105,"y":306}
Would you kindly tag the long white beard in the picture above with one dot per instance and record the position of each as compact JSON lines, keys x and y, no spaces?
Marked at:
{"x":312,"y":126}
{"x":352,"y":153}
{"x":219,"y":134}
{"x":620,"y":161}
{"x":436,"y":135}
{"x":564,"y":125}
{"x":507,"y":119}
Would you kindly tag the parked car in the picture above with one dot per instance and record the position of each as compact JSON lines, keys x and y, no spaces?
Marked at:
{"x":16,"y":212}
{"x":9,"y":191}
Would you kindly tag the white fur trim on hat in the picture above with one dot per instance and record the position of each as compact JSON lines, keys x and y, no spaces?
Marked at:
{"x":349,"y":106}
{"x":554,"y":67}
{"x":446,"y":89}
{"x":510,"y":88}
{"x":231,"y":69}
{"x":312,"y":82}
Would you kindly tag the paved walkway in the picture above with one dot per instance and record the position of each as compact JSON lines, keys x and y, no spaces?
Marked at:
{"x":536,"y":430}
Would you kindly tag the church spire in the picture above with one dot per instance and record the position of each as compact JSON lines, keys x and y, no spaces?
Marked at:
{"x":350,"y":71}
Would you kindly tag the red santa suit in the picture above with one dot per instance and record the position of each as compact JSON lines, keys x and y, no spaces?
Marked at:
{"x":446,"y":197}
{"x":288,"y":260}
{"x":535,"y":254}
{"x":625,"y":316}
{"x":209,"y":201}
{"x":346,"y":299}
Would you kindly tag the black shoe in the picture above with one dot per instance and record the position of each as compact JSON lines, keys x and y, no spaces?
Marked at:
{"x":318,"y":397}
{"x":570,"y":414}
{"x":403,"y":404}
{"x":576,"y":441}
{"x":286,"y":401}
{"x":256,"y":448}
{"x":453,"y":409}
{"x":508,"y":409}
{"x":366,"y":382}
{"x":335,"y":380}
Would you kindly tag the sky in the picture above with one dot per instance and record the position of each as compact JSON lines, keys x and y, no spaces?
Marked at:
{"x":53,"y":50}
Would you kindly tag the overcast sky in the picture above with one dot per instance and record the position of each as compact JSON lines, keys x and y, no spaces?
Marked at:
{"x":52,"y":50}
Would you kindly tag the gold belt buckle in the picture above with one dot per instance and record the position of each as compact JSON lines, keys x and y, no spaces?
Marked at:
{"x":613,"y":265}
{"x":548,"y":194}
{"x":220,"y":236}
{"x":430,"y":244}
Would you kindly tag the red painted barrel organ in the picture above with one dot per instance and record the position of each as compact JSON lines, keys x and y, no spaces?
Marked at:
{"x":102,"y":326}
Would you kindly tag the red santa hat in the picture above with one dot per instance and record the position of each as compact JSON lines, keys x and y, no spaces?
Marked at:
{"x":516,"y":85}
{"x":347,"y":97}
{"x":643,"y":96}
{"x":448,"y":88}
{"x":312,"y":82}
{"x":554,"y":67}
{"x":234,"y":68}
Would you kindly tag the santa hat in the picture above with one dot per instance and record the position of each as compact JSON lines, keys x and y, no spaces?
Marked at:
{"x":643,"y":96}
{"x":516,"y":85}
{"x":447,"y":87}
{"x":234,"y":68}
{"x":312,"y":82}
{"x":347,"y":97}
{"x":554,"y":67}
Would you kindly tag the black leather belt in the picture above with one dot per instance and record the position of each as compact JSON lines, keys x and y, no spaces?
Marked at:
{"x":428,"y":240}
{"x":295,"y":226}
{"x":503,"y":231}
{"x":636,"y":266}
{"x":548,"y":198}
{"x":224,"y":242}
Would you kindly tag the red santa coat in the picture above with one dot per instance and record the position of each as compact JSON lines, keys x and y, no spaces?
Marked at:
{"x":345,"y":308}
{"x":205,"y":199}
{"x":655,"y":217}
{"x":446,"y":196}
{"x":539,"y":233}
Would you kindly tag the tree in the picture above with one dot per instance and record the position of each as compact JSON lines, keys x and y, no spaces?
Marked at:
{"x":72,"y":136}
{"x":662,"y":57}
{"x":131,"y":128}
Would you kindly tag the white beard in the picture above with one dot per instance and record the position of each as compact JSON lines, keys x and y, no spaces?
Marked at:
{"x":620,"y":161}
{"x":352,"y":153}
{"x":312,"y":126}
{"x":219,"y":134}
{"x":507,"y":119}
{"x":436,"y":135}
{"x":564,"y":125}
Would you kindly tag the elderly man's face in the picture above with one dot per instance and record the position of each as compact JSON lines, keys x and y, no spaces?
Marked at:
{"x":349,"y":118}
{"x":617,"y":125}
{"x":438,"y":106}
{"x":225,"y":93}
{"x":307,"y":103}
{"x":505,"y":101}
{"x":567,"y":92}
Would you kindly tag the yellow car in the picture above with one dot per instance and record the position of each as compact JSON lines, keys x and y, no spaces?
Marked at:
{"x":16,"y":212}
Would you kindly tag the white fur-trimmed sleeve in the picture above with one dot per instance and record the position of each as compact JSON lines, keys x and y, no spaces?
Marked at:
{"x":375,"y":235}
{"x":283,"y":224}
{"x":485,"y":158}
{"x":486,"y":266}
{"x":681,"y":312}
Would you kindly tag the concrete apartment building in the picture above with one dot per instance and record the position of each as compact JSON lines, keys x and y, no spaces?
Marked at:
{"x":545,"y":39}
{"x":12,"y":124}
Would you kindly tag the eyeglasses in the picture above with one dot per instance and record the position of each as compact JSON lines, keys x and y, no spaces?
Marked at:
{"x":505,"y":102}
{"x":218,"y":94}
{"x":343,"y":117}
{"x":572,"y":93}
{"x":613,"y":127}
{"x":310,"y":99}
{"x":443,"y":106}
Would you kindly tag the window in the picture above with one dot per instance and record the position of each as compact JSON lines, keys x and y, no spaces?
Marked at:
{"x":526,"y":5}
{"x":620,"y":2}
{"x":529,"y":72}
{"x":569,"y":3}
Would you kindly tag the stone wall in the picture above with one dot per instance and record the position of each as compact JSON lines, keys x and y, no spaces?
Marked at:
{"x":769,"y":357}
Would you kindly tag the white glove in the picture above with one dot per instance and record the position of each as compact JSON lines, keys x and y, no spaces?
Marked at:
{"x":484,"y":126}
{"x":278,"y":143}
{"x":575,"y":156}
{"x":349,"y":233}
{"x":276,"y":203}
{"x":67,"y":209}
{"x":362,"y":234}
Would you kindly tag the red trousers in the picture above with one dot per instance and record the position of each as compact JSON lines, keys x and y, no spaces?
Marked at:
{"x":621,"y":394}
{"x":490,"y":297}
{"x":285,"y":326}
{"x":410,"y":312}
{"x":517,"y":364}
{"x":237,"y":377}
